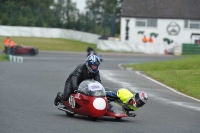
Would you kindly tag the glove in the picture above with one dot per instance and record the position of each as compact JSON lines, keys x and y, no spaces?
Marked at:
{"x":135,"y":105}
{"x":75,"y":91}
{"x":132,"y":102}
{"x":131,"y":114}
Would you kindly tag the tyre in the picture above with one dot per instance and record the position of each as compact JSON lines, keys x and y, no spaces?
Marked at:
{"x":118,"y":118}
{"x":34,"y":51}
{"x":69,"y":114}
{"x":93,"y":118}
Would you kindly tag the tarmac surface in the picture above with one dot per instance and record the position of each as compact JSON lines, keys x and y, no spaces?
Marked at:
{"x":28,"y":90}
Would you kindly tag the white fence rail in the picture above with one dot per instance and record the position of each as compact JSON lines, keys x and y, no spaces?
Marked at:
{"x":48,"y":33}
{"x":120,"y":46}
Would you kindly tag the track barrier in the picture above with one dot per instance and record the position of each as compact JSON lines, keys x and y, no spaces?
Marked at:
{"x":18,"y":59}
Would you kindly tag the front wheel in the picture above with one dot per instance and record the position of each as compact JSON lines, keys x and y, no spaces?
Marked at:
{"x":93,"y":118}
{"x":118,"y":118}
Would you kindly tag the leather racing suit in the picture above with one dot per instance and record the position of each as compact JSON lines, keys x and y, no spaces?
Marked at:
{"x":75,"y":78}
{"x":124,"y":95}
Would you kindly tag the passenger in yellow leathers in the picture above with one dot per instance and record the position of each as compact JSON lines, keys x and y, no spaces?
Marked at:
{"x":130,"y":100}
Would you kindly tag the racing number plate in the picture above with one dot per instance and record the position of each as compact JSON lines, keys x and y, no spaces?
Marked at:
{"x":72,"y":101}
{"x":94,"y":87}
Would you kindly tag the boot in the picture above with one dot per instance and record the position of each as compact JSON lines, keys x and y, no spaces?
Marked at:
{"x":57,"y":99}
{"x":131,"y":114}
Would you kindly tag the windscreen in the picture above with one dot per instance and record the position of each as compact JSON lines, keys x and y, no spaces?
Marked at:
{"x":91,"y":88}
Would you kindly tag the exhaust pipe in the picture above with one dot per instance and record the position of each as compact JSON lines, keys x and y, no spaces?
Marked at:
{"x":66,"y":110}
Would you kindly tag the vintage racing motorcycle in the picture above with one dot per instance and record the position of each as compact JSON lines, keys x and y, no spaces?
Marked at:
{"x":90,"y":100}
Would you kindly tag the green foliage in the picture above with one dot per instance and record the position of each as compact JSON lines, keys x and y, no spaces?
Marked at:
{"x":27,"y":13}
{"x":153,"y":34}
{"x":46,"y":13}
{"x":168,"y":40}
{"x":101,"y":13}
{"x":140,"y":32}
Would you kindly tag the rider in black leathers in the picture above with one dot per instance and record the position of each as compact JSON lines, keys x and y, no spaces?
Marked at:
{"x":88,"y":70}
{"x":90,"y":51}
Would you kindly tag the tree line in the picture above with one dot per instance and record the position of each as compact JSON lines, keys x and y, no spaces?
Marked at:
{"x":100,"y":16}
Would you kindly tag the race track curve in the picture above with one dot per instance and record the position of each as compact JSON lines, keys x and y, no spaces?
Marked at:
{"x":28,"y":90}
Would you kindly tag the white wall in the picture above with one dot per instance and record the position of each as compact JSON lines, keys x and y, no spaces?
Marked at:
{"x":162,"y":24}
{"x":182,"y":37}
{"x":48,"y":33}
{"x":130,"y":47}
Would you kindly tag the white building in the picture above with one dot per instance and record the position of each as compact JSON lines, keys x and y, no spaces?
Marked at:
{"x":166,"y":22}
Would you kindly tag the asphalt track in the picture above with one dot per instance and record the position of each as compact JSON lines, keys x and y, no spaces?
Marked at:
{"x":27,"y":92}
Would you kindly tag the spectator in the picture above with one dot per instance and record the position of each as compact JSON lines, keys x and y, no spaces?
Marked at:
{"x":6,"y":44}
{"x":150,"y":40}
{"x":11,"y":44}
{"x":198,"y":42}
{"x":90,"y":51}
{"x":144,"y":39}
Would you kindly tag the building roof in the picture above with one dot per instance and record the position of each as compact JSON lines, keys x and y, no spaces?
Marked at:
{"x":174,"y":9}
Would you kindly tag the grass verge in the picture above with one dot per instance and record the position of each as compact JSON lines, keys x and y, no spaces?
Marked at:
{"x":51,"y":44}
{"x":181,"y":74}
{"x":4,"y":57}
{"x":54,"y":44}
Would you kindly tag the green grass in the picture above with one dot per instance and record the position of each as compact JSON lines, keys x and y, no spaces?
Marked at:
{"x":3,"y":58}
{"x":51,"y":44}
{"x":181,"y":74}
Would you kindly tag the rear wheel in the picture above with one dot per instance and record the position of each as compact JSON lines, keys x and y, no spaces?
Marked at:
{"x":69,"y":114}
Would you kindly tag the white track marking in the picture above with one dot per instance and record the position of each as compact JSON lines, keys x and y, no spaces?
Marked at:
{"x":172,"y":89}
{"x":113,"y":76}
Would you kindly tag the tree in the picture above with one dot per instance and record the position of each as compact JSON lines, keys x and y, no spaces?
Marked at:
{"x":101,"y":16}
{"x":27,"y":13}
{"x":67,"y":13}
{"x":103,"y":11}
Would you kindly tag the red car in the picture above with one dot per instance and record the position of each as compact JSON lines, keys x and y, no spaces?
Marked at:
{"x":22,"y":50}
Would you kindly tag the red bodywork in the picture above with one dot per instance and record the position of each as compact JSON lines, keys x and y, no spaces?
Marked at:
{"x":90,"y":100}
{"x":115,"y":110}
{"x":112,"y":114}
{"x":25,"y":50}
{"x":84,"y":105}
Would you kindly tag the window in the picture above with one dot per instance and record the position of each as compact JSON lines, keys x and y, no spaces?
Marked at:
{"x":141,"y":22}
{"x":146,"y":23}
{"x":192,"y":24}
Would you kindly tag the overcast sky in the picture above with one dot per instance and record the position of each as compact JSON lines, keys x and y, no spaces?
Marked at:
{"x":80,"y":4}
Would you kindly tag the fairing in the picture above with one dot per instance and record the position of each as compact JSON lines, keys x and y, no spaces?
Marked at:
{"x":90,"y":99}
{"x":115,"y":109}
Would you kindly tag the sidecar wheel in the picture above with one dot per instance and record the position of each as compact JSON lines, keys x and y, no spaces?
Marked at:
{"x":118,"y":118}
{"x":93,"y":118}
{"x":69,"y":114}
